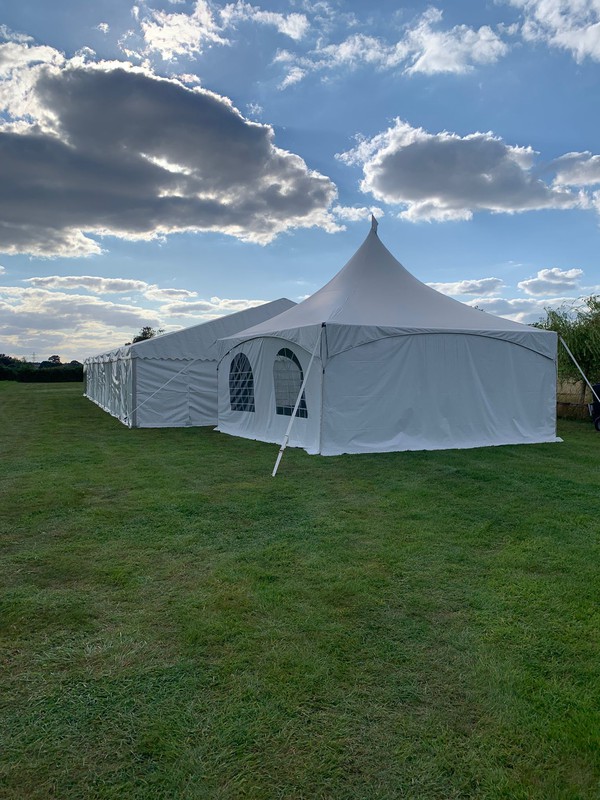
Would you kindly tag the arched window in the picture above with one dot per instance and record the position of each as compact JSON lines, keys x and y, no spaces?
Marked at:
{"x":241,"y":384}
{"x":288,"y":377}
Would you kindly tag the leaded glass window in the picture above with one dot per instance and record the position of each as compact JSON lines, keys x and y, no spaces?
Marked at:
{"x":241,"y":384}
{"x":288,"y":377}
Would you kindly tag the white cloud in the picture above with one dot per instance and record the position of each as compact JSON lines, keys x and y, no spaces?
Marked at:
{"x":87,"y":161}
{"x":77,"y":306}
{"x":44,"y":318}
{"x":360,"y":49}
{"x":356,"y":213}
{"x":572,"y":25}
{"x":92,"y":283}
{"x":295,"y":75}
{"x":124,"y":42}
{"x":552,"y":281}
{"x":209,"y":309}
{"x":423,"y":48}
{"x":103,"y":27}
{"x":523,"y":310}
{"x":293,"y":25}
{"x":2,"y":270}
{"x":176,"y":34}
{"x":479,"y":286}
{"x":165,"y":295}
{"x":99,"y":285}
{"x":188,"y":77}
{"x":84,"y":54}
{"x":577,"y":169}
{"x":7,"y":35}
{"x":328,"y":16}
{"x":254,"y":110}
{"x":180,"y":34}
{"x":33,"y":310}
{"x":21,"y":66}
{"x":444,"y":176}
{"x":457,"y":50}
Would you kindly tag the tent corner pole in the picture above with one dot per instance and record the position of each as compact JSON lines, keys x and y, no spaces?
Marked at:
{"x":286,"y":438}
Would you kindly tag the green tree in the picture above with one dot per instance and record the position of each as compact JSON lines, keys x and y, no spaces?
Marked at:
{"x":147,"y":332}
{"x":8,"y":361}
{"x":53,"y":361}
{"x":579,"y":327}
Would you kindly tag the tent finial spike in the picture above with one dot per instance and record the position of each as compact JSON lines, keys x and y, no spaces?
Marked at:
{"x":374,"y":223}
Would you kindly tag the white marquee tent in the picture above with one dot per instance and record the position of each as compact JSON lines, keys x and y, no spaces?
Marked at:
{"x":168,"y":381}
{"x":388,"y":364}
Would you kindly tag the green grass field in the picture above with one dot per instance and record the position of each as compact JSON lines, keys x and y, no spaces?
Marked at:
{"x":175,"y":623}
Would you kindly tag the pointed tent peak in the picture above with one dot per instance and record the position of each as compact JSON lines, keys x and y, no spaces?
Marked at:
{"x":375,"y":291}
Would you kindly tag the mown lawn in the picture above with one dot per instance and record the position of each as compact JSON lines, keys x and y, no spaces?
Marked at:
{"x":175,"y":623}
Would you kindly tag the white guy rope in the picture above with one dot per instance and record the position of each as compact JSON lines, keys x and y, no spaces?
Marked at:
{"x":286,"y":438}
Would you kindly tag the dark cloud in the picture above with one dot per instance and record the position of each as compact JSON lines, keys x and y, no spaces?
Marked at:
{"x":445,"y":176}
{"x":121,"y":152}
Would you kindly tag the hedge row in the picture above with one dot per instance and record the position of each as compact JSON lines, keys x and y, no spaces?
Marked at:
{"x":67,"y":372}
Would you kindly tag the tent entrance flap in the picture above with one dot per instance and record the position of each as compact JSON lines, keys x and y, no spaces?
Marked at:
{"x":286,"y":438}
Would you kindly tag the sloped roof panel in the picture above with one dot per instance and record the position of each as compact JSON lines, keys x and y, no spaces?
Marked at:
{"x":197,"y":341}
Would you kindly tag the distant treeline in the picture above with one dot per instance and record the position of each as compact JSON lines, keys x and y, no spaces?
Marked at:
{"x":51,"y":371}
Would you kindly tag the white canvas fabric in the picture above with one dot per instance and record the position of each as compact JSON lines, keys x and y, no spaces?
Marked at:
{"x":398,"y":366}
{"x":171,"y":380}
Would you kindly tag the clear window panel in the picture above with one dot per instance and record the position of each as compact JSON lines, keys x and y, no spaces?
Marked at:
{"x":241,"y":384}
{"x":288,"y":377}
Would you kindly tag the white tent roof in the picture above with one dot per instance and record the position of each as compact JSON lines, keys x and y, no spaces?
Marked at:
{"x":374,"y":296}
{"x":198,"y":341}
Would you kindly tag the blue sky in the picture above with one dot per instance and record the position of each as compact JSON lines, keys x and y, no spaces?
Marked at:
{"x":167,"y":162}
